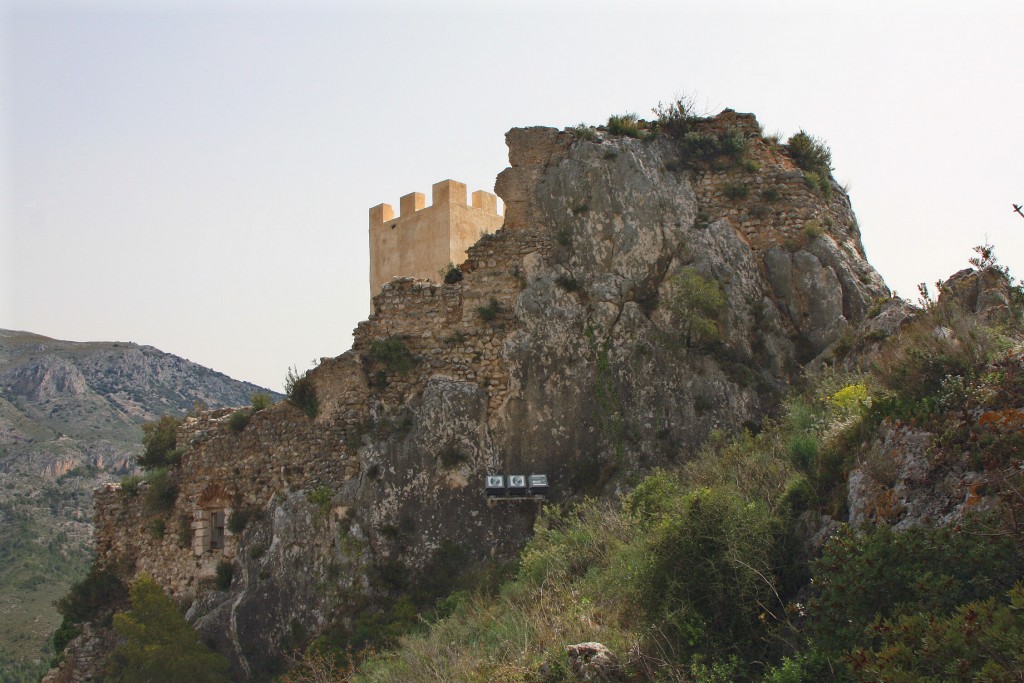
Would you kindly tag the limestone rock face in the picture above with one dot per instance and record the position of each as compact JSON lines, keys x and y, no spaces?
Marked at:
{"x":46,"y":378}
{"x":626,"y":309}
{"x":983,"y":292}
{"x":902,"y":484}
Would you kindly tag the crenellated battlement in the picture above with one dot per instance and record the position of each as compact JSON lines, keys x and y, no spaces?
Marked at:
{"x":422,"y":239}
{"x":444,"y":193}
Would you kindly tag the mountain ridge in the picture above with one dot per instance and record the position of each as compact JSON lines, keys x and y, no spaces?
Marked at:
{"x":70,"y":420}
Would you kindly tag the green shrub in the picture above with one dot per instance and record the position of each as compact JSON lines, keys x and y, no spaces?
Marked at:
{"x":160,"y":439}
{"x":979,"y":641}
{"x":677,"y":117}
{"x":393,"y":354}
{"x":771,"y":194}
{"x":584,"y":132}
{"x":321,"y":498}
{"x":701,"y":146}
{"x":86,"y":599}
{"x":238,"y":420}
{"x":93,"y":599}
{"x":301,"y":392}
{"x":883,"y":572}
{"x":813,"y":229}
{"x":130,"y":485}
{"x":654,"y":496}
{"x":698,"y":302}
{"x":715,"y":150}
{"x":158,"y":644}
{"x":568,"y":283}
{"x":65,"y":633}
{"x":733,"y":144}
{"x":802,"y":667}
{"x":450,"y":274}
{"x":941,"y":343}
{"x":567,"y":546}
{"x":707,"y":583}
{"x":810,"y":153}
{"x":161,"y":493}
{"x":157,"y":528}
{"x":491,"y":311}
{"x":819,"y":181}
{"x":803,"y":453}
{"x":225,"y":573}
{"x":626,"y":124}
{"x":261,"y":401}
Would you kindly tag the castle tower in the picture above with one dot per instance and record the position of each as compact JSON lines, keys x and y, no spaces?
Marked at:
{"x":424,"y":239}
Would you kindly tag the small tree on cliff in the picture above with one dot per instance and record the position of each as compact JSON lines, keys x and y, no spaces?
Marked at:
{"x":698,"y":303}
{"x":159,"y":644}
{"x":160,"y":439}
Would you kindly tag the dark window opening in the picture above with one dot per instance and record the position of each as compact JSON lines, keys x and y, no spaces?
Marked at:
{"x":217,"y":531}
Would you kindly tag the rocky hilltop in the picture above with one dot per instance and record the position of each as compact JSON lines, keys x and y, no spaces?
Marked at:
{"x":643,"y":293}
{"x":70,"y":419}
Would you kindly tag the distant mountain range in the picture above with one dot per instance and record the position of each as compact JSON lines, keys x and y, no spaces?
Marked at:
{"x":70,"y":419}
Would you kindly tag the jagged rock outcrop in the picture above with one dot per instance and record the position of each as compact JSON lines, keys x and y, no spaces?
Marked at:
{"x":45,"y":378}
{"x":902,"y":483}
{"x":627,"y":308}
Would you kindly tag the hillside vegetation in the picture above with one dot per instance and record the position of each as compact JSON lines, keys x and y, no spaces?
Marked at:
{"x":737,"y":566}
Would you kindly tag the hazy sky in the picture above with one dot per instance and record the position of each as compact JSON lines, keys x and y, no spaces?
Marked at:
{"x":196,"y":175}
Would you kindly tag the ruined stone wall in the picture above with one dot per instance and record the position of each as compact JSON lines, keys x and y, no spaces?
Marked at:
{"x":278,"y":451}
{"x":454,"y":330}
{"x":768,"y":199}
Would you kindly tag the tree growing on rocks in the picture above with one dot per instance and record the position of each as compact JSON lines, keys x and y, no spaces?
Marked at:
{"x":159,"y":644}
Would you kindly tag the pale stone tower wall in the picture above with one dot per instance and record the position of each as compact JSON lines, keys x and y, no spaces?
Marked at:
{"x":423,"y":239}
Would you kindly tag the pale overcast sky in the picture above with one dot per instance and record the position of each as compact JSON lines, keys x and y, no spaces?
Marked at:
{"x":196,"y":175}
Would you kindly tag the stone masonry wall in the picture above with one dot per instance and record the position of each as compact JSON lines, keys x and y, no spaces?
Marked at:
{"x":244,"y":471}
{"x":779,"y":204}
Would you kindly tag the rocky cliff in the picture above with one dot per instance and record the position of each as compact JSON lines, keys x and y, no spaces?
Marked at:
{"x":642,"y":293}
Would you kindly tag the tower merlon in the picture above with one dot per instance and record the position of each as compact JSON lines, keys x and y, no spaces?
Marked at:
{"x":382,"y":213}
{"x":486,"y":201}
{"x":411,"y":203}
{"x":449,"y":192}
